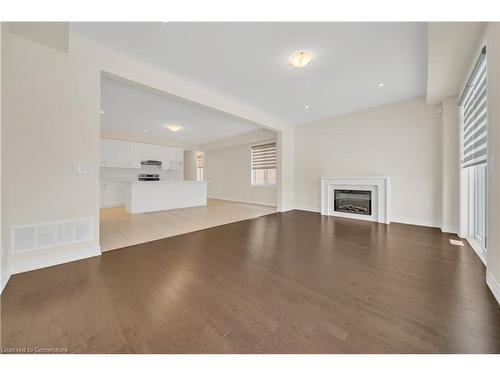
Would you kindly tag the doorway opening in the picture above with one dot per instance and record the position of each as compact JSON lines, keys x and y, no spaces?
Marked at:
{"x":169,"y":166}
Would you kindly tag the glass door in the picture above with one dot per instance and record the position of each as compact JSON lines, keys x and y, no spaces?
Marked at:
{"x":478,"y":206}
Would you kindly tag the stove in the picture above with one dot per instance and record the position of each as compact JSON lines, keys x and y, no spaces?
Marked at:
{"x":149,"y":177}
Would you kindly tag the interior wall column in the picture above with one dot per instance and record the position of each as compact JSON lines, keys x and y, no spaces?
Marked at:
{"x":493,"y":247}
{"x":450,"y":213}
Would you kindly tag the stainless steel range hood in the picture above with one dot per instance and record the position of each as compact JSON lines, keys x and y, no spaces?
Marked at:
{"x":153,"y":163}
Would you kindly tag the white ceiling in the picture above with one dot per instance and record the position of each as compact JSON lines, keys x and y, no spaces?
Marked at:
{"x":130,"y":108}
{"x":249,"y":61}
{"x":453,"y":49}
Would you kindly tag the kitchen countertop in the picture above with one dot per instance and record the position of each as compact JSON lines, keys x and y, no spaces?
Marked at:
{"x":166,"y":182}
{"x":152,"y":182}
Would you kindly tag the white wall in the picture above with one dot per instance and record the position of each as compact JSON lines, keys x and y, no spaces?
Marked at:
{"x":4,"y":263}
{"x":493,"y":254}
{"x":190,"y":166}
{"x":50,"y":120}
{"x":146,"y":138}
{"x":228,"y":171}
{"x":490,"y":38}
{"x":450,"y":152}
{"x":258,"y":135}
{"x":401,"y":140}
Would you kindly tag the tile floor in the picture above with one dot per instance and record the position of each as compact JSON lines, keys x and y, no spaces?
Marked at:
{"x":118,"y":228}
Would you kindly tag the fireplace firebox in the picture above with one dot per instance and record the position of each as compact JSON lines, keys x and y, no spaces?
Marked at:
{"x":353,"y":201}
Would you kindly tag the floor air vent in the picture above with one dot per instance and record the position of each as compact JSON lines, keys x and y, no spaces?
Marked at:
{"x":40,"y":236}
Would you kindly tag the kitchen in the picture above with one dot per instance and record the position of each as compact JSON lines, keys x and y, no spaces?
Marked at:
{"x":145,"y":177}
{"x":154,"y":181}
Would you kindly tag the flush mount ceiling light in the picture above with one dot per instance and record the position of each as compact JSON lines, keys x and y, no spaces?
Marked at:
{"x":101,"y":112}
{"x":300,"y":59}
{"x":381,"y":84}
{"x":174,"y":128}
{"x":306,"y":106}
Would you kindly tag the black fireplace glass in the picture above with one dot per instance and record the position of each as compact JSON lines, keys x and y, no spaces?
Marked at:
{"x":353,"y":201}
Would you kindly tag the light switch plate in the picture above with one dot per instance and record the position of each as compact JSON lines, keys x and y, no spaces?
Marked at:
{"x":81,"y":168}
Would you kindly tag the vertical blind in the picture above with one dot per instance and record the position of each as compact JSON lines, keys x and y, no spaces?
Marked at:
{"x":474,"y":102}
{"x":264,"y":156}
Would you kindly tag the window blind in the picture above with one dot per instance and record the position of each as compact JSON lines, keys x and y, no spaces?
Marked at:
{"x":200,"y":161}
{"x":475,"y":105}
{"x":264,"y":156}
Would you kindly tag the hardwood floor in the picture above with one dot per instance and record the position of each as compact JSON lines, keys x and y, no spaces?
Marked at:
{"x":119,"y":229}
{"x":283,"y":283}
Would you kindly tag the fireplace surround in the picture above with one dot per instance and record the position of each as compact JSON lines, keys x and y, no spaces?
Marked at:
{"x":363,"y":198}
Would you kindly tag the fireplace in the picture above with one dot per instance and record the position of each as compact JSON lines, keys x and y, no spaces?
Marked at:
{"x":353,"y":201}
{"x":360,"y":198}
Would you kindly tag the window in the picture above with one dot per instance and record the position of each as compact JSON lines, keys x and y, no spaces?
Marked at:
{"x":474,"y":152}
{"x":474,"y":103}
{"x":264,"y":164}
{"x":200,"y":164}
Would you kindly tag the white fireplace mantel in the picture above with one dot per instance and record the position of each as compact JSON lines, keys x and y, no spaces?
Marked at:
{"x":380,"y":186}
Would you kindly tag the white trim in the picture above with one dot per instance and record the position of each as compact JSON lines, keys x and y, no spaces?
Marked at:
{"x":477,"y":249}
{"x":409,"y":221}
{"x":242,"y":201}
{"x":419,"y":222}
{"x":493,"y":285}
{"x":449,"y":229}
{"x":308,"y":209}
{"x":380,"y":186}
{"x":5,"y":279}
{"x":53,"y":260}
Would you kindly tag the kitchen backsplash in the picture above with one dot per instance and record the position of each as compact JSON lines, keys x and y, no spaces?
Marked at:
{"x":130,"y":174}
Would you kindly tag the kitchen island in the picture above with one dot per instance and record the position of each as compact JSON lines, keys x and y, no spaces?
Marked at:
{"x":149,"y":196}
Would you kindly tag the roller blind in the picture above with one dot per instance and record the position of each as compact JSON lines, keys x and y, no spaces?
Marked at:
{"x":200,"y":161}
{"x":264,"y":156}
{"x":475,"y":116}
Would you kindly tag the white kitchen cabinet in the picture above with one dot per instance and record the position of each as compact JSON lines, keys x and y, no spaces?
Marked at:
{"x":135,"y":155}
{"x":151,"y":152}
{"x":176,"y":158}
{"x":112,"y":194}
{"x":122,"y":154}
{"x":125,"y":154}
{"x":178,"y":154}
{"x":107,"y":150}
{"x":115,"y":153}
{"x":166,"y":156}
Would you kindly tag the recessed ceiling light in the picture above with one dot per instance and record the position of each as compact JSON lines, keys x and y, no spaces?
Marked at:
{"x":146,"y":130}
{"x":381,"y":84}
{"x":174,"y":128}
{"x":300,"y":59}
{"x":306,"y":106}
{"x":101,"y":112}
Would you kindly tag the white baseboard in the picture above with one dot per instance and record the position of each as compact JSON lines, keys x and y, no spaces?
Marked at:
{"x":419,"y":222}
{"x":309,"y":209}
{"x":449,"y":229}
{"x":480,"y":252}
{"x":493,"y":285}
{"x":409,"y":221}
{"x":53,"y":260}
{"x":5,"y":279}
{"x":242,"y":201}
